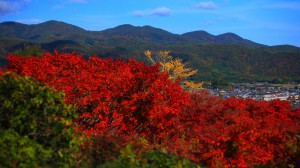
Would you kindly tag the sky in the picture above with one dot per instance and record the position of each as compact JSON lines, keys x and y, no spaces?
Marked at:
{"x":269,"y":22}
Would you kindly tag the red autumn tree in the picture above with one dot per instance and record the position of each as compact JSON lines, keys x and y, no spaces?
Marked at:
{"x":125,"y":97}
{"x":129,"y":99}
{"x":237,"y":132}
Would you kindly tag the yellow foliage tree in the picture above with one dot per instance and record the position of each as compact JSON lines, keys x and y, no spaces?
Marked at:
{"x":175,"y":68}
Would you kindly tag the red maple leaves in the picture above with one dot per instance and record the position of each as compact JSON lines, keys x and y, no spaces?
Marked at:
{"x":132,"y":99}
{"x":239,"y":132}
{"x":127,"y":97}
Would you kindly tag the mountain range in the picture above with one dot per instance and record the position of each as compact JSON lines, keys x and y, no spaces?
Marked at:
{"x":225,"y":57}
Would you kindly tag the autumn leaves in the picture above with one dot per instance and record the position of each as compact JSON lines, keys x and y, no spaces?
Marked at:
{"x":176,"y":69}
{"x":130,"y":101}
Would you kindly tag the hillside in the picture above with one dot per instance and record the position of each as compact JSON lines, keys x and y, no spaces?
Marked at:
{"x":44,"y":32}
{"x":145,"y":33}
{"x":225,"y":57}
{"x":53,"y":30}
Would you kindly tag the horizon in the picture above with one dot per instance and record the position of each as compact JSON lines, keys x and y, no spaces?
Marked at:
{"x":265,"y":22}
{"x":152,"y":27}
{"x":121,"y":25}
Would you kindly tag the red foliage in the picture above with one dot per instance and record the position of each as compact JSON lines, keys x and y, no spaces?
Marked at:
{"x":125,"y":97}
{"x":238,"y":132}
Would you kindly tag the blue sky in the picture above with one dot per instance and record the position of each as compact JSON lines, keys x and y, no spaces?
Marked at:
{"x":270,"y":22}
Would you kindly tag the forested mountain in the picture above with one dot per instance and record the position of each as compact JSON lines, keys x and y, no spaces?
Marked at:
{"x":225,"y":57}
{"x":44,"y":32}
{"x":53,"y":30}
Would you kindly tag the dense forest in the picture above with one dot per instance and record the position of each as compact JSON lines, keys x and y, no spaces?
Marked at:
{"x":223,"y":58}
{"x":61,"y":110}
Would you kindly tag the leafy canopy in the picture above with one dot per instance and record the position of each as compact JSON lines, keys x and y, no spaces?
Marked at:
{"x":115,"y":96}
{"x":34,"y":124}
{"x":121,"y":101}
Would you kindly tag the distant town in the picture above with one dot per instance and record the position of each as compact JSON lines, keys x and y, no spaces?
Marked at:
{"x":261,"y":91}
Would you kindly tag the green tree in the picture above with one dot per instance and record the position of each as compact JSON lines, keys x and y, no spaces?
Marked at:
{"x":35,"y":125}
{"x":153,"y":158}
{"x":30,"y":50}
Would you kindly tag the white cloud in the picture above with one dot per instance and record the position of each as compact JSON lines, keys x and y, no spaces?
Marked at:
{"x":12,"y":6}
{"x":161,"y":11}
{"x":205,"y":5}
{"x":5,"y":7}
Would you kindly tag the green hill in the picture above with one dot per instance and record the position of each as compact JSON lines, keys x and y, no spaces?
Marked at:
{"x":225,"y":57}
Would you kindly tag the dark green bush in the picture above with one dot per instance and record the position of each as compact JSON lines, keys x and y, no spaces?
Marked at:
{"x":34,"y":125}
{"x":155,"y":159}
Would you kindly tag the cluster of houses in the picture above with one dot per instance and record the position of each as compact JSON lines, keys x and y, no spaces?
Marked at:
{"x":261,"y":91}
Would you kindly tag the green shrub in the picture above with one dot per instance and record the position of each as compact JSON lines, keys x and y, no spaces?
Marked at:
{"x":155,"y":159}
{"x":34,"y":125}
